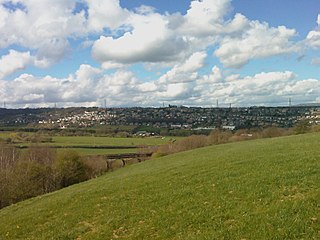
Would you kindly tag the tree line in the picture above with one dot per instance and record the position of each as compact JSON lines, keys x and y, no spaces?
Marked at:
{"x":41,"y":169}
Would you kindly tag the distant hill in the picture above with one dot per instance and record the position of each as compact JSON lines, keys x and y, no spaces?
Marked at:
{"x":172,"y":117}
{"x":308,"y":105}
{"x":261,"y":189}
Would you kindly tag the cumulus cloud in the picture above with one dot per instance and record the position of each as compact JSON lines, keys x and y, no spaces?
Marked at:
{"x":14,"y":61}
{"x":29,"y":89}
{"x":151,"y":37}
{"x":47,"y":31}
{"x":235,"y":51}
{"x":139,"y":35}
{"x":205,"y":17}
{"x":149,"y":41}
{"x":266,"y":88}
{"x":313,"y":37}
{"x":91,"y":86}
{"x":185,"y":72}
{"x":42,"y":26}
{"x":214,"y":77}
{"x":106,"y":14}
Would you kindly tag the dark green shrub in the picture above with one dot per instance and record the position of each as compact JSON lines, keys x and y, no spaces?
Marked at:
{"x":69,"y":168}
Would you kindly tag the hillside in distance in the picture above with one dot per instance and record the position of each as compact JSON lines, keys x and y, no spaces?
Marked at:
{"x":166,"y":117}
{"x":261,"y":189}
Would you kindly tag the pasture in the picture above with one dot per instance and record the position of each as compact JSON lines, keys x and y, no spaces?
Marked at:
{"x":261,"y":189}
{"x":120,"y":145}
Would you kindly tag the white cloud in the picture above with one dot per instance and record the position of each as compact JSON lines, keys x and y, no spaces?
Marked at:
{"x":106,"y":14}
{"x":148,"y":87}
{"x":185,"y":72}
{"x":313,"y":37}
{"x":150,"y":37}
{"x":266,"y":88}
{"x":214,"y":77}
{"x":90,"y":86}
{"x":29,"y":89}
{"x":145,"y":10}
{"x":175,"y":92}
{"x":236,"y":51}
{"x":149,"y":41}
{"x":139,"y":35}
{"x":14,"y":61}
{"x":120,"y":38}
{"x":205,"y":17}
{"x":82,"y":85}
{"x":43,"y":26}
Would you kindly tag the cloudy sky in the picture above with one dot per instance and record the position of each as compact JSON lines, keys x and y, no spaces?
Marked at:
{"x":151,"y":52}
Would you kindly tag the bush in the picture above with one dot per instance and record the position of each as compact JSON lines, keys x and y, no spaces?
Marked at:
{"x":4,"y":188}
{"x":41,"y":154}
{"x":303,"y":126}
{"x":218,"y":137}
{"x":29,"y":180}
{"x":188,"y":143}
{"x":95,"y":166}
{"x":192,"y":142}
{"x":273,"y":132}
{"x":70,"y":169}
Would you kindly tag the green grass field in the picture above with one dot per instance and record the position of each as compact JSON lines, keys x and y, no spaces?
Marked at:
{"x":107,"y":141}
{"x":262,"y":189}
{"x":100,"y":141}
{"x":88,"y":151}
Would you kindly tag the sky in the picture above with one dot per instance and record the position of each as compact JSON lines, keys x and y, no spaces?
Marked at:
{"x":152,"y":53}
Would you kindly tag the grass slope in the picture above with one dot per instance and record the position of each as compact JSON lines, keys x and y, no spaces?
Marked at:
{"x":264,"y":189}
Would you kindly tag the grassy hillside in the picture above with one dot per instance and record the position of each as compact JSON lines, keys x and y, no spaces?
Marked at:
{"x":264,"y":189}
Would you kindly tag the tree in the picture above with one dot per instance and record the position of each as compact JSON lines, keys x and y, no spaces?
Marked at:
{"x":8,"y":159}
{"x":70,"y":168}
{"x":28,"y":180}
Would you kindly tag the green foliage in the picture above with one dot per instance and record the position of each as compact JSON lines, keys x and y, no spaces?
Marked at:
{"x":4,"y":189}
{"x":261,"y":189}
{"x":69,"y":168}
{"x":29,"y":180}
{"x":25,"y":175}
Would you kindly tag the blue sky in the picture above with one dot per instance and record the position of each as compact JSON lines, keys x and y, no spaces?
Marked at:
{"x":146,"y":53}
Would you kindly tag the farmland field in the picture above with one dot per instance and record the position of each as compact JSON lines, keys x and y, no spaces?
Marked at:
{"x":107,"y":141}
{"x":93,"y":141}
{"x":88,"y":151}
{"x":261,"y":189}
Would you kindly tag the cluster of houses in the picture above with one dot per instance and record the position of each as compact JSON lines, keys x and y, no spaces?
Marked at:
{"x":174,"y":117}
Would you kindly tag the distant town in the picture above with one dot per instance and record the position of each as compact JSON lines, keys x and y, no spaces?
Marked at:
{"x":172,"y":117}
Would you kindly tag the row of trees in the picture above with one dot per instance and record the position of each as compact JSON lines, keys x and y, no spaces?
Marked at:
{"x":39,"y":170}
{"x":21,"y":137}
